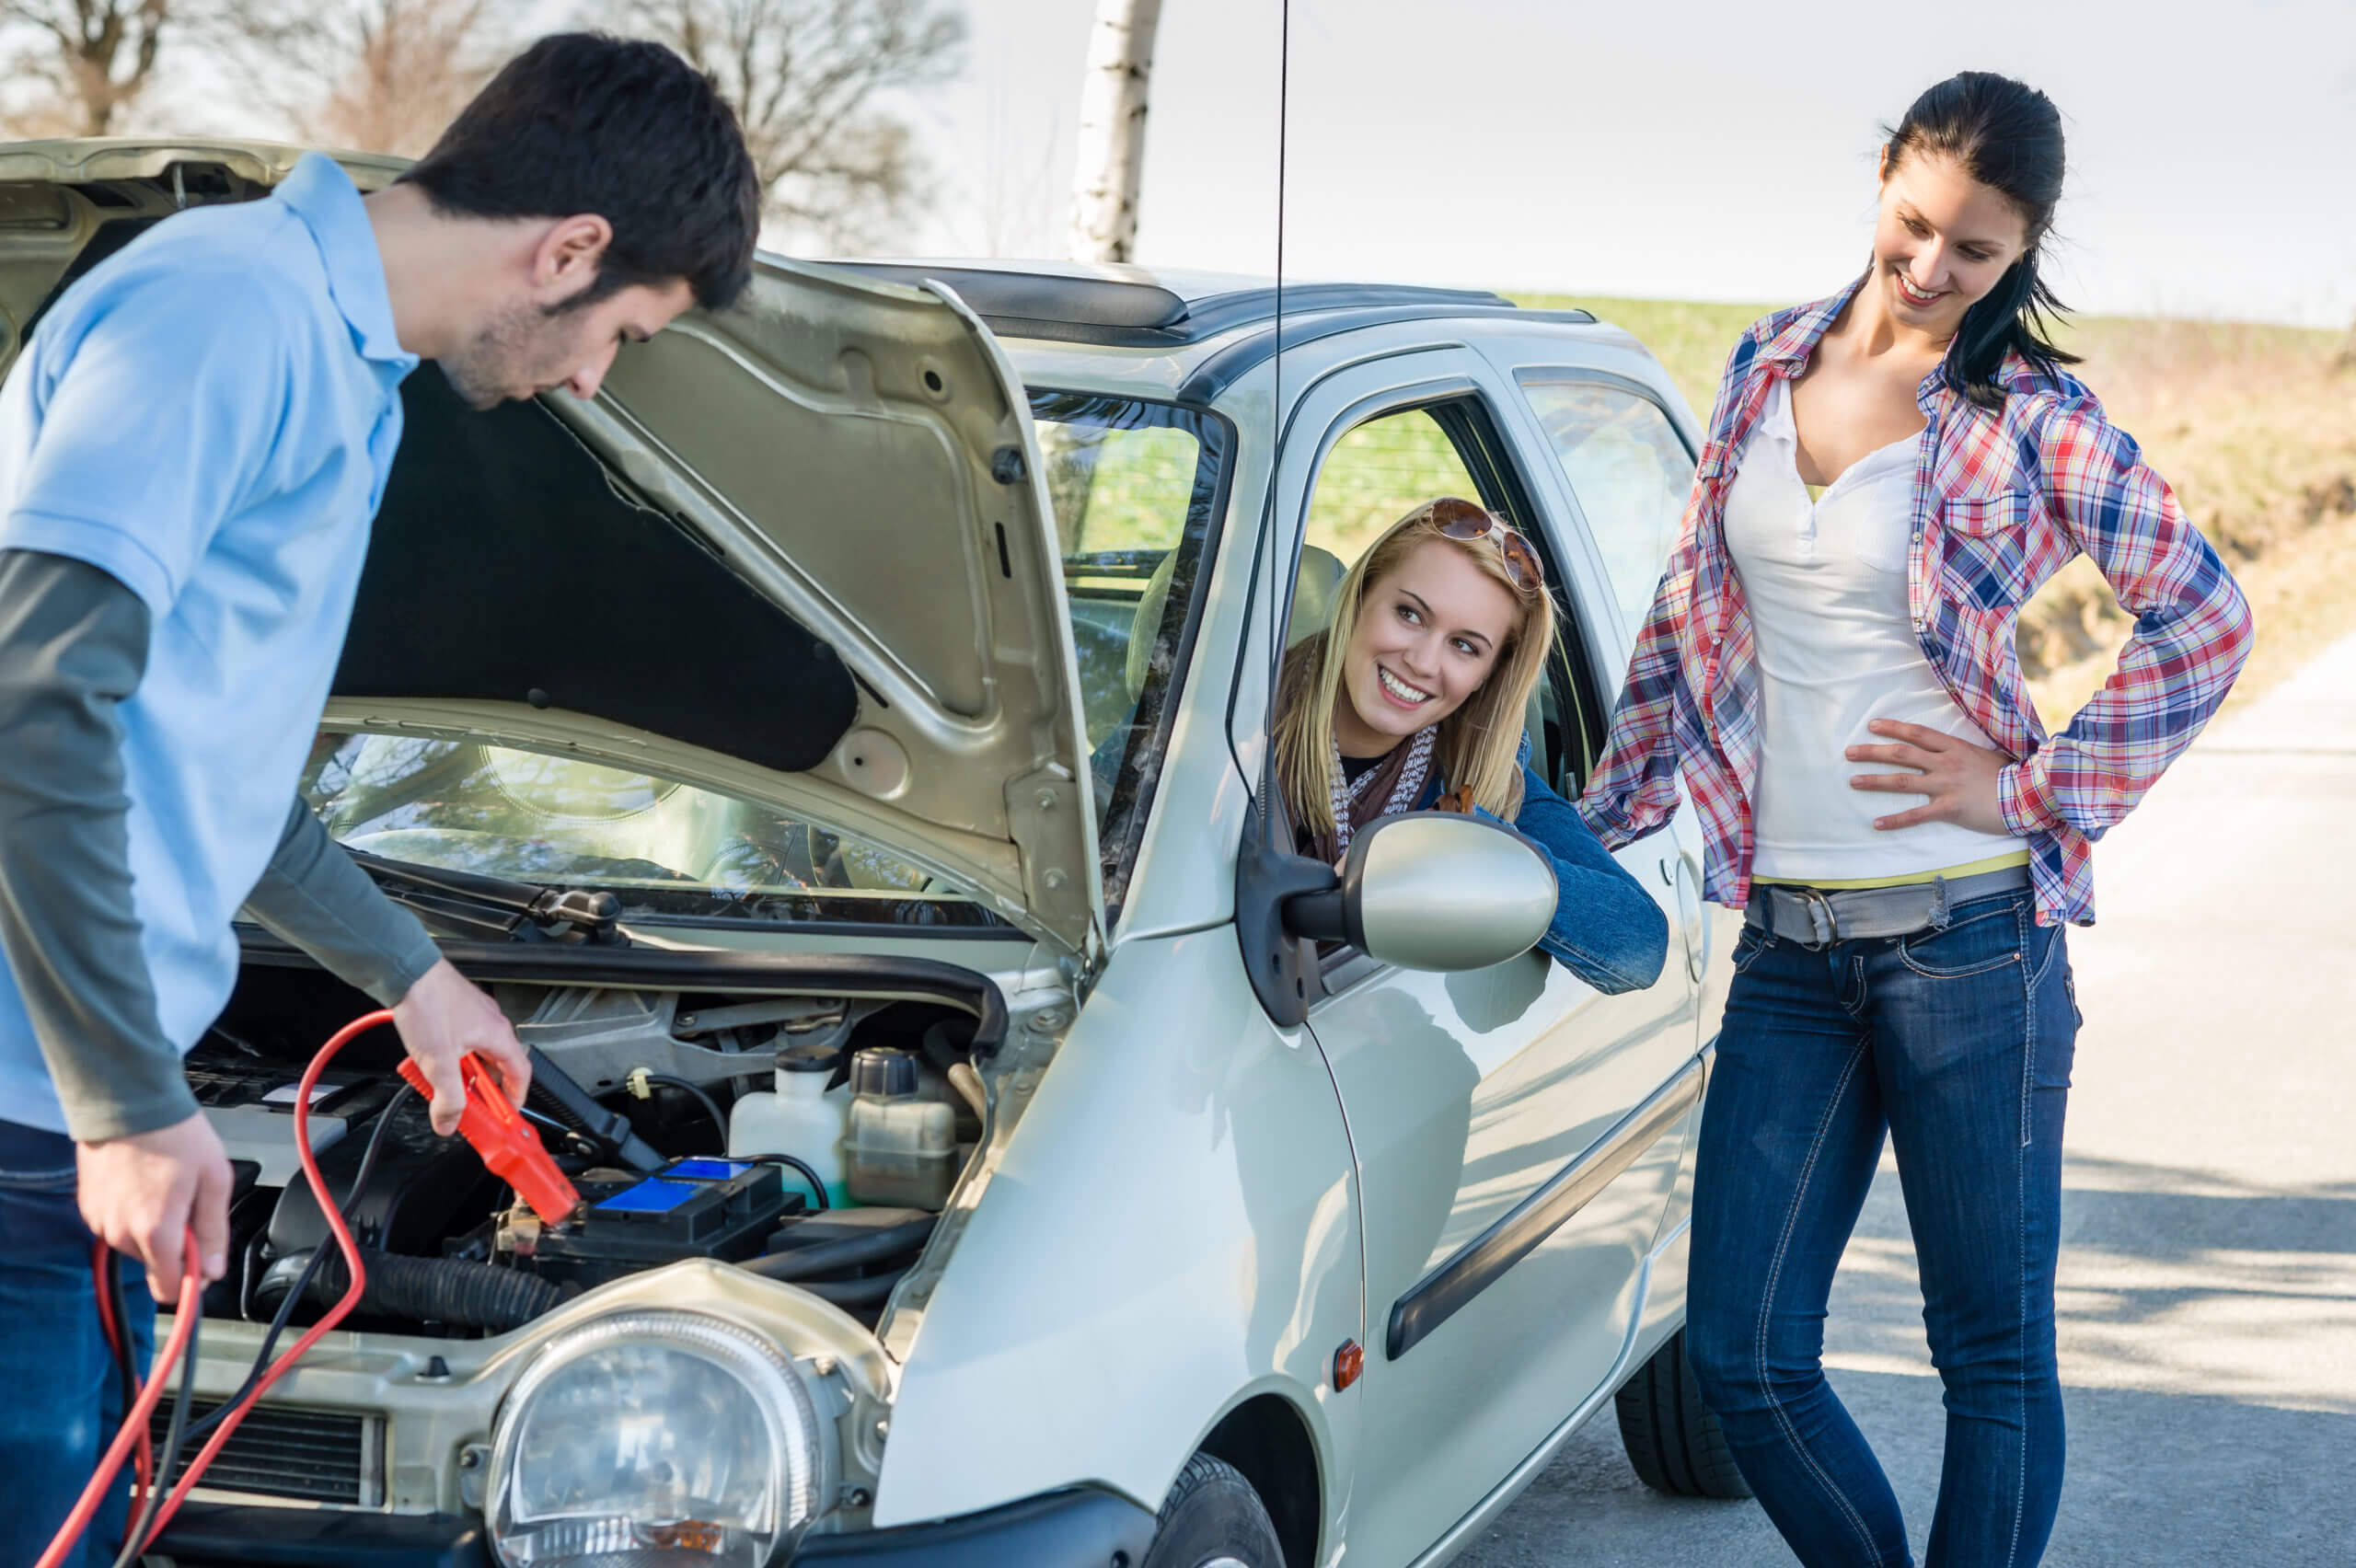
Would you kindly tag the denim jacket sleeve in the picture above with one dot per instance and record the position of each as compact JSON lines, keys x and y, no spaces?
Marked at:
{"x":1607,"y":929}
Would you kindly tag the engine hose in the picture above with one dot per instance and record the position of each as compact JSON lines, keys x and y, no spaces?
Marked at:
{"x":940,"y":1050}
{"x":830,"y":1257}
{"x":967,"y":1082}
{"x":450,"y":1290}
{"x":853,"y":1292}
{"x":817,"y":1188}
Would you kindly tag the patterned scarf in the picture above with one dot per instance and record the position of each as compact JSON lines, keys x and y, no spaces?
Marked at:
{"x":1390,"y":786}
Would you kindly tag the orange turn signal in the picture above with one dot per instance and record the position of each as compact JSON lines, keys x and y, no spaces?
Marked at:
{"x":1348,"y":1361}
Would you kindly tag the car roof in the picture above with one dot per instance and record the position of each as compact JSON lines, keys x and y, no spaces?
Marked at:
{"x":1124,"y":306}
{"x":1207,"y":327}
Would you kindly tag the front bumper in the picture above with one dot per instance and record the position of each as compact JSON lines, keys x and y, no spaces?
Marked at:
{"x":1078,"y":1529}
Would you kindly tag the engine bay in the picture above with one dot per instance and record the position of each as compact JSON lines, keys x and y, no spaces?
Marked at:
{"x":660,"y":1103}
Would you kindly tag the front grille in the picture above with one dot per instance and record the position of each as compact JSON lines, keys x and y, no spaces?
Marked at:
{"x":317,"y":1456}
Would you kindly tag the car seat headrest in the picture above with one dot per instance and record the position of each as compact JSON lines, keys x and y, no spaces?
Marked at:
{"x":1313,"y":596}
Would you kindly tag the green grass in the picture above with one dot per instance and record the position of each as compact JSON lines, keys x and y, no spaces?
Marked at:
{"x":1376,"y":474}
{"x":1692,"y":340}
{"x":1118,"y":489}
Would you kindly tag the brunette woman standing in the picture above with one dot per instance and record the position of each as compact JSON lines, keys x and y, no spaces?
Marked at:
{"x":1890,"y":472}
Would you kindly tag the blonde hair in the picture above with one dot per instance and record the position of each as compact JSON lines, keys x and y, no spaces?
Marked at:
{"x":1478,"y":747}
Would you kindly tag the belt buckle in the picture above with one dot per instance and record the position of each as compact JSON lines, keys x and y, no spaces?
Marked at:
{"x":1820,"y":922}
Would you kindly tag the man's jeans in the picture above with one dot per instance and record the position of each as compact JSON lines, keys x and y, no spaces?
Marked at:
{"x":61,"y":1401}
{"x":1958,"y":1041}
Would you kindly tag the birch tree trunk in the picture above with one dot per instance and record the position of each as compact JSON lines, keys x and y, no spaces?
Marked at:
{"x":1112,"y":131}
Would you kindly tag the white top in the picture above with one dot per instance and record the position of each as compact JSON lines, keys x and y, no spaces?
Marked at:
{"x":1826,"y":583}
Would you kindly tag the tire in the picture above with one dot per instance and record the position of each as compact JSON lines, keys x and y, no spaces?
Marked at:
{"x":1672,"y":1439}
{"x":1213,"y":1519}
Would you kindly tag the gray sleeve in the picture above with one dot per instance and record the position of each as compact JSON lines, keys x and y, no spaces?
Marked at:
{"x":314,"y":897}
{"x":73,"y":647}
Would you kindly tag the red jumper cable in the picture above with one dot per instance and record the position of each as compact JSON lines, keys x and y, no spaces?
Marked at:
{"x":134,"y":1422}
{"x":101,"y":1286}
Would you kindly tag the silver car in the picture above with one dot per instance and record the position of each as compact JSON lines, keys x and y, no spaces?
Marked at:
{"x":883,"y":668}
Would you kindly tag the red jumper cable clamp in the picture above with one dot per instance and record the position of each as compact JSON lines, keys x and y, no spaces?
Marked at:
{"x":511,"y":1150}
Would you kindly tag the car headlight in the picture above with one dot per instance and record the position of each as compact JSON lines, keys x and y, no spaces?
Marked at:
{"x":657,"y":1439}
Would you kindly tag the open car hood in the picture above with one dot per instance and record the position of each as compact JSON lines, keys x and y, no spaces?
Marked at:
{"x":800,"y":550}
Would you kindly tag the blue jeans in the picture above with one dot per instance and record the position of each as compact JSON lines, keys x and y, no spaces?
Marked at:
{"x":61,"y":1400}
{"x":1958,"y":1041}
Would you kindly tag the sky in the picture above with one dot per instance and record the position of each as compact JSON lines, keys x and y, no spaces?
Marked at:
{"x":1708,"y":150}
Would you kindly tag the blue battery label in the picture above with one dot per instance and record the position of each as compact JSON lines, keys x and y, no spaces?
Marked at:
{"x":653,"y":1195}
{"x":706,"y":1169}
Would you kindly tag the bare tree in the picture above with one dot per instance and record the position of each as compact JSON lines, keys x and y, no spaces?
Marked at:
{"x":375,"y":75}
{"x":79,"y":64}
{"x":1112,"y":130}
{"x":803,"y":76}
{"x":1103,"y":215}
{"x":1016,"y":191}
{"x":381,"y":75}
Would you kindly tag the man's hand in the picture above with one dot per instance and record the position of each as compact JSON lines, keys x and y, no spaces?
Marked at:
{"x":139,"y":1192}
{"x":443,"y":1017}
{"x":1961,"y":779}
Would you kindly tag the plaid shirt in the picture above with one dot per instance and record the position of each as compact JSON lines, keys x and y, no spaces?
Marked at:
{"x":2003,"y":500}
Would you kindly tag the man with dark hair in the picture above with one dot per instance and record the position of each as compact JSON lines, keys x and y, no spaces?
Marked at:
{"x":192,"y":450}
{"x":642,"y":161}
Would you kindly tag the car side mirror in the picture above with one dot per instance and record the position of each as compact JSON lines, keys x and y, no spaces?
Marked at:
{"x":1434,"y":890}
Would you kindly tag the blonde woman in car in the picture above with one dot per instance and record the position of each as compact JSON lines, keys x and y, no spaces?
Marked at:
{"x":1413,"y":698}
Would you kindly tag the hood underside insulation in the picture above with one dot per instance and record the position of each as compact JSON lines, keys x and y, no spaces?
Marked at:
{"x":504,"y":567}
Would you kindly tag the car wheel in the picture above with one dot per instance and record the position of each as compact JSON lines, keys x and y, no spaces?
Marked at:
{"x":1214,"y":1519}
{"x":1672,"y":1439}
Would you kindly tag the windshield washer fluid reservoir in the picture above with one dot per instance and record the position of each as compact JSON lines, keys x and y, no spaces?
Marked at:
{"x":901,"y":1148}
{"x":803,"y":1118}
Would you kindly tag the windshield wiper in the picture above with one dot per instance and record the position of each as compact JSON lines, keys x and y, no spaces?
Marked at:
{"x":493,"y":908}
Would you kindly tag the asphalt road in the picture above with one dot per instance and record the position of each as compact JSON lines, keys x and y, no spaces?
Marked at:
{"x":2208,"y":1282}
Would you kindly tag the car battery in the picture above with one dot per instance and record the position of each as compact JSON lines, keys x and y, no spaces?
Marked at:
{"x":692,"y":1208}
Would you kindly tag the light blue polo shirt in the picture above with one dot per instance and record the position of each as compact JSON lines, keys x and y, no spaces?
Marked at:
{"x":209,"y":416}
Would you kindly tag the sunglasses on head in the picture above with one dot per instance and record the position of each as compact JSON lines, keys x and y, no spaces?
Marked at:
{"x":1462,"y":520}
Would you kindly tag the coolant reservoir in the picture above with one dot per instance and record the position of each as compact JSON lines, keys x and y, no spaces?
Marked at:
{"x":901,"y":1148}
{"x":801,"y":1118}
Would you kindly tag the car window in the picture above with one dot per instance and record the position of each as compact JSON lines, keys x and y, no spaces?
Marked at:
{"x":1135,"y":486}
{"x":1629,"y":470}
{"x":1377,"y":474}
{"x":664,"y":847}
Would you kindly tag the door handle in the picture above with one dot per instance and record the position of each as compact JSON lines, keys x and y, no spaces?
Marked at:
{"x":1694,"y":913}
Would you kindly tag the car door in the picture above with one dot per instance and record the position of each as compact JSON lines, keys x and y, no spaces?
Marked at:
{"x":1508,"y":1124}
{"x":1627,"y":462}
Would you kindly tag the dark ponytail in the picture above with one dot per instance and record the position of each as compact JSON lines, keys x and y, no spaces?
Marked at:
{"x":2007,"y":136}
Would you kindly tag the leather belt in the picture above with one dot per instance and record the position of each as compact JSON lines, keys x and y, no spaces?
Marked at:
{"x":1818,"y":916}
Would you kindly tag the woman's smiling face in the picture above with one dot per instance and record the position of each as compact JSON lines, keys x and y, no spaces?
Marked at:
{"x":1428,"y":635}
{"x":1941,"y":242}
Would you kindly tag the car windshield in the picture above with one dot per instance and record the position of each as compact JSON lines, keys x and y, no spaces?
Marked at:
{"x":1133,"y":487}
{"x":666,"y":848}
